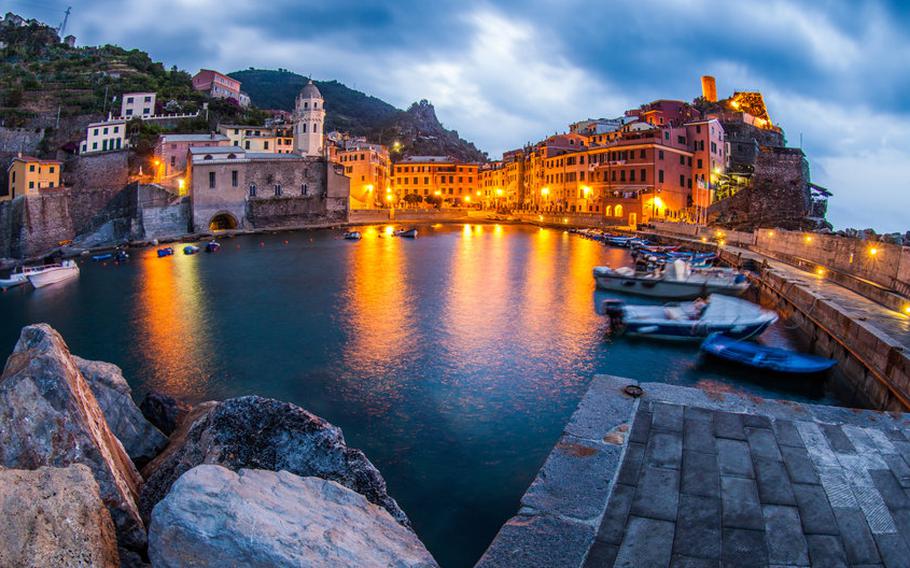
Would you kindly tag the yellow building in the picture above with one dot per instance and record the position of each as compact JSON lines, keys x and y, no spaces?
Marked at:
{"x":264,"y":139}
{"x":28,"y":175}
{"x":368,"y":167}
{"x":454,"y":183}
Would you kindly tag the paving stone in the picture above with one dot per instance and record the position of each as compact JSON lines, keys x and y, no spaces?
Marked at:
{"x":699,"y":436}
{"x":773,"y":482}
{"x":763,"y":444}
{"x":729,"y":425}
{"x":836,"y":487}
{"x":657,"y":494}
{"x":878,"y":517}
{"x":698,"y":413}
{"x":893,"y":550}
{"x":641,"y":427}
{"x":698,"y":528}
{"x":741,"y":507}
{"x":667,"y":417}
{"x":784,"y":536}
{"x":787,"y":434}
{"x":894,"y":435}
{"x":679,"y":561}
{"x":814,"y":510}
{"x":826,"y":550}
{"x":744,"y":548}
{"x":733,"y":458}
{"x":614,"y":521}
{"x":817,"y":446}
{"x":799,"y":466}
{"x":899,"y":469}
{"x":856,"y":537}
{"x":601,"y":555}
{"x":648,"y":542}
{"x":838,"y":441}
{"x":891,"y":491}
{"x":664,"y":449}
{"x":756,"y":421}
{"x":630,"y":470}
{"x":539,"y":540}
{"x":700,"y":475}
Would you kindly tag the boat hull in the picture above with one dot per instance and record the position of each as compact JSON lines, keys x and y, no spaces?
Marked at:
{"x":765,"y":358}
{"x":694,"y":331}
{"x":14,"y":280}
{"x":662,"y":288}
{"x":53,"y":276}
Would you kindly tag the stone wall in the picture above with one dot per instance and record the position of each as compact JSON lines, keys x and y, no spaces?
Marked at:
{"x":33,"y":225}
{"x":746,"y":140}
{"x":165,"y":221}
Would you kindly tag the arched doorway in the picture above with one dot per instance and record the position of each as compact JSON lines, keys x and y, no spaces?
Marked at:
{"x":223,"y":222}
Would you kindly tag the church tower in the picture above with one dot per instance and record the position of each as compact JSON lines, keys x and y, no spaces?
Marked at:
{"x":309,"y":118}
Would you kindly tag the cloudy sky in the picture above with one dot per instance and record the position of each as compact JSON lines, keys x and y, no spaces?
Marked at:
{"x":504,"y":73}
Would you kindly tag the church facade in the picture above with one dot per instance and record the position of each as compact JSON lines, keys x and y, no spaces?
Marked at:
{"x":309,"y":122}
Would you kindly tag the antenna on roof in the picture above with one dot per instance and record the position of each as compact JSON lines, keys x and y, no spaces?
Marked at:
{"x":66,"y":17}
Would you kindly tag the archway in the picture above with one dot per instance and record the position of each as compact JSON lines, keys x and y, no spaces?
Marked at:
{"x":223,"y":222}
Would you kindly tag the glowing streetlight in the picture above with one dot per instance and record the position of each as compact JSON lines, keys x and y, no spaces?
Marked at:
{"x":873,"y":251}
{"x":545,"y":191}
{"x":498,"y":192}
{"x":369,"y":187}
{"x":467,"y":199}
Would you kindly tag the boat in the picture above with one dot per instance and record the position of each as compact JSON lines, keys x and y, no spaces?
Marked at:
{"x":15,"y":279}
{"x":762,"y":357}
{"x":212,"y":246}
{"x":675,"y":281}
{"x":190,"y":249}
{"x":352,"y":235}
{"x":734,"y":317}
{"x":166,"y":251}
{"x":102,"y":257}
{"x":48,"y":274}
{"x":122,"y":256}
{"x":406,"y":233}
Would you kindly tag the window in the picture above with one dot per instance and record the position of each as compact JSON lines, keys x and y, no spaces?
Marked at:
{"x":698,"y":129}
{"x":643,"y":175}
{"x":660,"y":176}
{"x":211,"y":180}
{"x":265,"y":145}
{"x":148,"y":99}
{"x":96,"y":132}
{"x":631,"y":175}
{"x":94,"y":145}
{"x":660,"y":154}
{"x":173,"y":161}
{"x":304,"y":189}
{"x":618,"y":211}
{"x":51,"y":184}
{"x":31,"y":185}
{"x":233,"y":178}
{"x":426,"y":180}
{"x":682,"y":180}
{"x":622,"y":175}
{"x":252,"y":190}
{"x":699,"y":163}
{"x":129,"y":112}
{"x":246,"y":145}
{"x":304,"y":128}
{"x":129,"y":100}
{"x":105,"y":130}
{"x":116,"y":129}
{"x":641,"y":154}
{"x":278,"y":190}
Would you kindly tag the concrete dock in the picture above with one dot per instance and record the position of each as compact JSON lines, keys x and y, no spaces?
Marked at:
{"x":658,"y":475}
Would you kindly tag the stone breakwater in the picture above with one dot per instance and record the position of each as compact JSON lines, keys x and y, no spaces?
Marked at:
{"x":275,"y":484}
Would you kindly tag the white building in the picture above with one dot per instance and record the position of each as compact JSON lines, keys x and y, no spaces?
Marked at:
{"x":309,"y":119}
{"x":105,"y":136}
{"x":137,"y":104}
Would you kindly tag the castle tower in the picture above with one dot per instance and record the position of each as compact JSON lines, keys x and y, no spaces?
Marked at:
{"x":309,"y":118}
{"x":708,"y":88}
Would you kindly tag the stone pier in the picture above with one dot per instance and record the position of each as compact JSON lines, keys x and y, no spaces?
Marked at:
{"x":658,"y":475}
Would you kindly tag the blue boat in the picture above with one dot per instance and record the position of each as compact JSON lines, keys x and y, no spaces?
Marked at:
{"x":212,"y":246}
{"x":190,"y":249}
{"x":766,"y":358}
{"x":103,"y":256}
{"x":166,"y":251}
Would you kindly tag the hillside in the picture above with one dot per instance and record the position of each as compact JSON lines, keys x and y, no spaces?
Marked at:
{"x":417,"y":129}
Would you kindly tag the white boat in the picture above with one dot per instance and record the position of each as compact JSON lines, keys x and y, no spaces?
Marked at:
{"x":675,"y":281}
{"x":15,"y":279}
{"x":41,"y":276}
{"x":733,"y":317}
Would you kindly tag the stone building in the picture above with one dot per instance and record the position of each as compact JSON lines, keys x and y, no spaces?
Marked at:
{"x":231,"y":188}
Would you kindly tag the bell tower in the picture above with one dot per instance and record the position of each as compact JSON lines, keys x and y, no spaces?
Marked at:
{"x":309,"y":119}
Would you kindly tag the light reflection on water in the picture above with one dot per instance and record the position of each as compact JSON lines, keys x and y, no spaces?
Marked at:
{"x":453,"y":360}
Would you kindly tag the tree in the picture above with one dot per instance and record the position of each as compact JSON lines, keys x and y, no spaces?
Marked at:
{"x":412,"y":199}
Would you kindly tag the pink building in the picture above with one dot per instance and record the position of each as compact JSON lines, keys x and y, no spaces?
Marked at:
{"x":171,"y":154}
{"x":217,"y":85}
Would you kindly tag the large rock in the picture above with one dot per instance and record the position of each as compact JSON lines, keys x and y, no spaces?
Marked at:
{"x":49,"y":417}
{"x":54,"y":517}
{"x":141,"y":440}
{"x":255,"y":518}
{"x":261,"y":433}
{"x":163,"y":411}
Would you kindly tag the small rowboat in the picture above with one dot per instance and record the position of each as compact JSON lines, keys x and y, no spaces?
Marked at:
{"x":212,"y":246}
{"x":352,"y":235}
{"x":102,"y":257}
{"x":190,"y":249}
{"x":406,"y":233}
{"x":166,"y":251}
{"x":762,"y":357}
{"x":15,"y":279}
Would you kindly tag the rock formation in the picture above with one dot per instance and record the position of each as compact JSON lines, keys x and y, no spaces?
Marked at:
{"x":141,"y":440}
{"x":54,"y":517}
{"x":260,"y":433}
{"x":49,"y":417}
{"x":215,"y":517}
{"x":163,"y":411}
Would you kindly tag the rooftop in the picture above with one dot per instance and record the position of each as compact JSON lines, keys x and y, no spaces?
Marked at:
{"x":193,"y":137}
{"x":428,"y":159}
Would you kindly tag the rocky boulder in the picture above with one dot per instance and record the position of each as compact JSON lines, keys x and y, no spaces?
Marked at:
{"x":141,"y":440}
{"x":163,"y":411}
{"x":216,"y":517}
{"x":261,"y":433}
{"x":54,"y":517}
{"x":49,"y":417}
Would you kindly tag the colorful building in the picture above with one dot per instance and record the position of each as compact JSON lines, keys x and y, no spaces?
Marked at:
{"x":137,"y":105}
{"x":105,"y":136}
{"x":28,"y":175}
{"x":368,"y":167}
{"x":275,"y":139}
{"x":220,"y":86}
{"x":170,"y":158}
{"x":454,"y":183}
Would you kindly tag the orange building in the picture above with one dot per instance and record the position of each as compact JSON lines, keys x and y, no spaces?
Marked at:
{"x":27,"y":175}
{"x":368,"y":167}
{"x":455,"y":183}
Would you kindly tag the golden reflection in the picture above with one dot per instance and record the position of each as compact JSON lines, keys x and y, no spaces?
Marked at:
{"x":171,"y":315}
{"x":378,"y":315}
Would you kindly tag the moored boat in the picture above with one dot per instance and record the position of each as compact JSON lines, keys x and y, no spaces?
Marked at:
{"x":40,"y":276}
{"x":734,"y":317}
{"x":212,"y":246}
{"x":15,"y":279}
{"x":763,"y":357}
{"x":406,"y":233}
{"x":352,"y":235}
{"x":190,"y":249}
{"x":166,"y":251}
{"x":102,"y":257}
{"x":676,"y":281}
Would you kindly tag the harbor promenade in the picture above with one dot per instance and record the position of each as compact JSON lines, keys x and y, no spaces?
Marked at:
{"x":650,"y":474}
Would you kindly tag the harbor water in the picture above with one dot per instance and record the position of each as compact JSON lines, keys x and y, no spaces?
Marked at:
{"x":452,"y":360}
